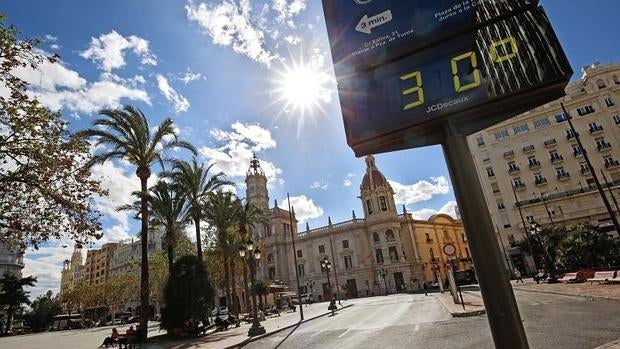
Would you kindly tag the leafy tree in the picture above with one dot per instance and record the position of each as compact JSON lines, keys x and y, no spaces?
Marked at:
{"x":184,"y":247}
{"x":13,"y":295}
{"x":261,"y":289}
{"x":46,"y":191}
{"x":188,"y":293}
{"x":119,"y":290}
{"x":195,"y":183}
{"x":43,"y":310}
{"x":586,"y":247}
{"x":127,"y":133}
{"x":158,"y":270}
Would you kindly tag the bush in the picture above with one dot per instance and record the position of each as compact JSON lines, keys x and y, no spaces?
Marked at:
{"x":188,"y":294}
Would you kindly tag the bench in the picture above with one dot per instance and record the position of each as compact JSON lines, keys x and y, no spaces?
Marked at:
{"x":603,"y":276}
{"x":569,"y":277}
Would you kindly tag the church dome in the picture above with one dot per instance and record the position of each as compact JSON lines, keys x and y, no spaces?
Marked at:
{"x":373,"y":177}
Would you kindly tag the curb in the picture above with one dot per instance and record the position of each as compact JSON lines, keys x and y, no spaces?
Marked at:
{"x":612,"y":345}
{"x":463,"y":313}
{"x":565,"y":294}
{"x":252,"y":339}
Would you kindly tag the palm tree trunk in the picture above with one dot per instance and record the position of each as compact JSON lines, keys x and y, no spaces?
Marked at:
{"x":198,"y":242}
{"x":235,"y":305}
{"x":144,"y":270}
{"x":170,"y":258}
{"x":227,"y":282}
{"x":246,"y":301}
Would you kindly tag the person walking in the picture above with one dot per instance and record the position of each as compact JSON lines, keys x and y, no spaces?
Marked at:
{"x":332,"y":305}
{"x":517,"y":273}
{"x":425,"y":285}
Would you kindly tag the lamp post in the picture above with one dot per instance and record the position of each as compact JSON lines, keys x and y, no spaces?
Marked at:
{"x":327,"y":265}
{"x":383,"y":274}
{"x":535,"y":231}
{"x":251,"y":257}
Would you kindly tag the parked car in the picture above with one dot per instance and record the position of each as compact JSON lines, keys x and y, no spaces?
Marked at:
{"x":133,"y":319}
{"x":115,"y":322}
{"x":222,"y":310}
{"x":305,"y":298}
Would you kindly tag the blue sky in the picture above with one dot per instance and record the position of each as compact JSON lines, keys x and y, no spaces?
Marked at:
{"x":217,"y":68}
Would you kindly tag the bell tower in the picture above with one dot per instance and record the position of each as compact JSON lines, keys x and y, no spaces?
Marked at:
{"x":256,"y":185}
{"x":376,"y":193}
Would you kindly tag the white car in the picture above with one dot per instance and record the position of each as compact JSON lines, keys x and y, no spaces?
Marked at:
{"x":115,"y":322}
{"x":222,"y":310}
{"x":305,"y":298}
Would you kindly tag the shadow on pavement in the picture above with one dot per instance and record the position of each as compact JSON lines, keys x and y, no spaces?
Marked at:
{"x":288,"y":335}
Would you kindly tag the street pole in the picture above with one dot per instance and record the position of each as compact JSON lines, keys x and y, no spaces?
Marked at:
{"x":256,"y":329}
{"x":611,"y":192}
{"x":527,"y":237}
{"x":501,"y":241}
{"x":331,"y":244}
{"x":542,"y":198}
{"x":290,"y":217}
{"x":613,"y":217}
{"x":499,"y":300}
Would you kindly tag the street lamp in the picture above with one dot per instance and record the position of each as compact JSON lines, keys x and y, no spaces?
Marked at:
{"x":327,"y":265}
{"x":383,"y":274}
{"x":535,"y":230}
{"x":251,"y":258}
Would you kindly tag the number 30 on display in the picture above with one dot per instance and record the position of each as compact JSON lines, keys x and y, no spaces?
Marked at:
{"x":416,"y":76}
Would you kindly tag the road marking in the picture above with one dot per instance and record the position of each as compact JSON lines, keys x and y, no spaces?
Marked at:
{"x":417,"y":328}
{"x":317,"y":333}
{"x":345,"y":332}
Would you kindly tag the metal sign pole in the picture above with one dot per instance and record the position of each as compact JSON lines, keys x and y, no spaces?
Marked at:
{"x":499,"y":300}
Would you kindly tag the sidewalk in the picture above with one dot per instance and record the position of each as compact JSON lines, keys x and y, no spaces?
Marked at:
{"x":584,"y":289}
{"x":613,"y":345}
{"x":235,"y":337}
{"x":473,"y":305}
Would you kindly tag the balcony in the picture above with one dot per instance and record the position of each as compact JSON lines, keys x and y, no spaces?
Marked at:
{"x":602,"y":147}
{"x":534,"y":164}
{"x":557,"y":159}
{"x":519,"y":186}
{"x":550,"y":143}
{"x":540,"y":181}
{"x":570,"y":136}
{"x":577,"y":153}
{"x":514,"y":170}
{"x":585,"y":171}
{"x":596,"y":129}
{"x":528,"y":149}
{"x":612,"y":164}
{"x":509,"y":154}
{"x":563,"y":176}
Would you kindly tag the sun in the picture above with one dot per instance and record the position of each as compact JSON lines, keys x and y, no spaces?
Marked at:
{"x":302,"y":88}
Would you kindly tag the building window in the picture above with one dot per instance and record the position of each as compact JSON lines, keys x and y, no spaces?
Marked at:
{"x":518,"y":183}
{"x":540,"y":123}
{"x":393,"y":254}
{"x":561,"y":172}
{"x":601,"y":143}
{"x":501,"y":135}
{"x":617,"y":119}
{"x":272,"y":273}
{"x":369,"y":206}
{"x":389,"y":235}
{"x":467,"y":252}
{"x":512,"y":167}
{"x":585,"y":110}
{"x":428,"y":238}
{"x":495,"y":188}
{"x":345,"y":243}
{"x":299,"y":254}
{"x":348,"y":264}
{"x":463,"y":237}
{"x":432,"y":254}
{"x":521,"y":129}
{"x":270,"y":258}
{"x":490,"y":172}
{"x":480,"y":140}
{"x":382,"y":203}
{"x":577,"y":150}
{"x":379,"y":255}
{"x":560,"y":118}
{"x":616,"y":80}
{"x":301,"y":270}
{"x":609,"y":101}
{"x":500,"y":204}
{"x":533,"y":162}
{"x":584,"y":168}
{"x":375,"y":237}
{"x":554,"y":156}
{"x":321,"y":248}
{"x":600,"y":83}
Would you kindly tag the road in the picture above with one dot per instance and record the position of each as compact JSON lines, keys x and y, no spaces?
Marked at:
{"x":416,"y":321}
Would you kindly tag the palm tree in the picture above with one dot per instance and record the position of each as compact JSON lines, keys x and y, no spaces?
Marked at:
{"x":171,"y":211}
{"x":219,"y":212}
{"x":248,"y":216}
{"x":13,"y":295}
{"x":127,"y":135}
{"x":195,"y":183}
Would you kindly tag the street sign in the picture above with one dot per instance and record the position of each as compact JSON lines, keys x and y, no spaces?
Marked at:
{"x":449,"y":249}
{"x":364,"y":34}
{"x":475,"y":80}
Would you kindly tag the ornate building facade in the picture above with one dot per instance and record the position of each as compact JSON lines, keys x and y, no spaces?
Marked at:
{"x":11,"y":260}
{"x":381,"y":252}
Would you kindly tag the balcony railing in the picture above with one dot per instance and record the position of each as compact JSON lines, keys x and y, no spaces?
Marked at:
{"x":603,"y":146}
{"x":550,"y":142}
{"x":585,"y":171}
{"x":563,"y":175}
{"x":528,"y":149}
{"x":514,"y":169}
{"x":541,"y":181}
{"x":534,"y":164}
{"x":509,"y":154}
{"x":595,"y":129}
{"x":577,"y":153}
{"x":612,"y":164}
{"x":570,"y":136}
{"x":566,"y":194}
{"x":519,"y":186}
{"x":557,"y":159}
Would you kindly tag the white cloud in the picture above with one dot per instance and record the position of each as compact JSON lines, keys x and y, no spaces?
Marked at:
{"x":420,"y":191}
{"x":319,"y":185}
{"x":449,"y":208}
{"x":235,"y":149}
{"x":348,"y":180}
{"x":109,"y":50}
{"x":190,"y":76}
{"x":51,"y":38}
{"x":230,"y":24}
{"x":46,"y":265}
{"x":50,"y":76}
{"x":287,"y":9}
{"x":181,"y":103}
{"x":292,"y":39}
{"x":305,"y":208}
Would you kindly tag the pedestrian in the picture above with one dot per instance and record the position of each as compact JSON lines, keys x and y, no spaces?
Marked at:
{"x":332,"y":305}
{"x":425,"y":285}
{"x":517,"y":273}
